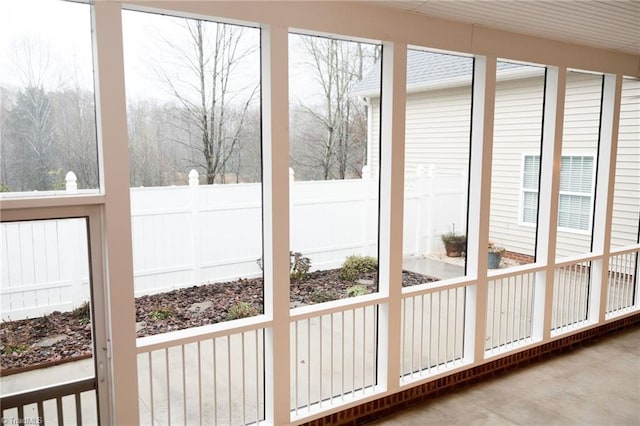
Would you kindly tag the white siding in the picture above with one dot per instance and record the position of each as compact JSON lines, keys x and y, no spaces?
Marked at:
{"x":437,"y":132}
{"x":517,"y":131}
{"x":626,"y":202}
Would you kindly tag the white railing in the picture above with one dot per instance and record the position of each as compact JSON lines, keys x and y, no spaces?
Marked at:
{"x":570,"y":296}
{"x":333,"y":358}
{"x":209,"y":377}
{"x":432,"y":335}
{"x":509,"y":311}
{"x":65,"y":403}
{"x":622,"y":282}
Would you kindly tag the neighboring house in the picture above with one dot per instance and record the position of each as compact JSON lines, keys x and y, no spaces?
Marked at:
{"x":438,"y":117}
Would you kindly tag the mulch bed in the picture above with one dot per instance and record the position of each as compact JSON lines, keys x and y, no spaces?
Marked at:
{"x":163,"y":312}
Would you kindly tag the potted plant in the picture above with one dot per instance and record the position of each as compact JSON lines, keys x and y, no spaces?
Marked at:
{"x":495,"y":255}
{"x":454,"y":244}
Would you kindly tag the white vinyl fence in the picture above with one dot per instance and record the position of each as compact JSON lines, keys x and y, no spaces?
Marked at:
{"x":187,"y":235}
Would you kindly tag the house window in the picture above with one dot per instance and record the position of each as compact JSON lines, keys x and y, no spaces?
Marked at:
{"x":576,"y":191}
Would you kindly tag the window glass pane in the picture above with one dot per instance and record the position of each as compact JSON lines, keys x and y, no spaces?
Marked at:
{"x":334,"y":87}
{"x":46,"y":303}
{"x":579,"y":149}
{"x":530,"y":207}
{"x":626,"y":199}
{"x":193,"y":111}
{"x":531,"y":174}
{"x":516,"y":164}
{"x":437,"y":143}
{"x":47,"y":108}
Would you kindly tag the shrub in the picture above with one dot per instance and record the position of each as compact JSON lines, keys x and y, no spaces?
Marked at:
{"x":321,"y":296}
{"x":81,"y":312}
{"x":241,"y":310}
{"x":357,"y":290}
{"x":299,"y":265}
{"x":17,"y":348}
{"x":354,"y":266}
{"x":161,"y":313}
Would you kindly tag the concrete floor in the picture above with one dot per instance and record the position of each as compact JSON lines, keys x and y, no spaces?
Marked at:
{"x":597,"y":384}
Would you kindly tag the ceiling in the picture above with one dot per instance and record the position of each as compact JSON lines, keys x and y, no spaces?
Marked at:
{"x":608,"y":24}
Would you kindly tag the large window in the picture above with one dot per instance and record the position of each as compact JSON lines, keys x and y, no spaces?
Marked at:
{"x":333,"y":186}
{"x":47,"y":114}
{"x":576,"y":191}
{"x":437,"y":151}
{"x":193,"y":110}
{"x":626,"y":200}
{"x":517,"y":130}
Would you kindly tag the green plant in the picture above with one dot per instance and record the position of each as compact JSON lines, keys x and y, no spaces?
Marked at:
{"x":82,"y":312}
{"x":161,"y":313}
{"x":17,"y":348}
{"x":4,"y":188}
{"x":299,"y":265}
{"x":241,"y":310}
{"x":454,"y":244}
{"x":492,"y":248}
{"x":451,"y":238}
{"x":357,"y":290}
{"x":354,"y":266}
{"x":321,"y":296}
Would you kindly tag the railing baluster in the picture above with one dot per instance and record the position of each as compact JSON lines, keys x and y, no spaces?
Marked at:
{"x":421,"y":354}
{"x":166,"y":363}
{"x":199,"y":384}
{"x":40,"y":412}
{"x":353,"y":352}
{"x":413,"y":333}
{"x":78,"y":409}
{"x":153,"y":413}
{"x":184,"y":386}
{"x":342,"y":359}
{"x":58,"y":411}
{"x":230,"y":407}
{"x":243,"y":381}
{"x":215,"y":379}
{"x":332,"y":362}
{"x":308,"y":363}
{"x":320,"y":332}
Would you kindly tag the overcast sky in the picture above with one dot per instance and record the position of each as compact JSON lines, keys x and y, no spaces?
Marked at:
{"x":55,"y":37}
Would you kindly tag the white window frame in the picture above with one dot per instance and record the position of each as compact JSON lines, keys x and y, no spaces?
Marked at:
{"x":591,"y":194}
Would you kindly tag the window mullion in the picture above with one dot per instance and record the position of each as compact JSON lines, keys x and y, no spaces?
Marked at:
{"x":604,"y":191}
{"x":113,"y":152}
{"x":549,"y":199}
{"x":275,"y":139}
{"x":393,"y":103}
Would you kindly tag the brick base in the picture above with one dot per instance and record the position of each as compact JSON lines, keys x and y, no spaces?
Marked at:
{"x":525,"y":259}
{"x":389,"y":404}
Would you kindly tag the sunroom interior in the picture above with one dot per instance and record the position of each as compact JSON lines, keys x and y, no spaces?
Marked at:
{"x":193,"y":184}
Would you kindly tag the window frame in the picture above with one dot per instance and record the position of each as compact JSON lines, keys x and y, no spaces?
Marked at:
{"x":591,"y":195}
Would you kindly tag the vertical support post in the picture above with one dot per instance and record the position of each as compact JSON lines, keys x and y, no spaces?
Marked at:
{"x":275,"y":181}
{"x":422,"y":199}
{"x":393,"y":105}
{"x":484,"y":91}
{"x":194,"y":190}
{"x":113,"y":153}
{"x":292,"y":210}
{"x":607,"y":153}
{"x":366,"y":207}
{"x":548,"y":199}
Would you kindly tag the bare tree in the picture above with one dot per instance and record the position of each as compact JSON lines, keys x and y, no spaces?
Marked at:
{"x":219,"y":109}
{"x":337,"y":65}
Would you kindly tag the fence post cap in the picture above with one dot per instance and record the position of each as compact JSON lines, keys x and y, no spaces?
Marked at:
{"x":194,"y":177}
{"x":71,"y":181}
